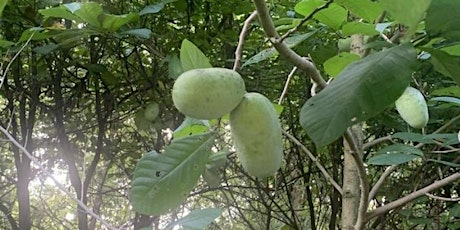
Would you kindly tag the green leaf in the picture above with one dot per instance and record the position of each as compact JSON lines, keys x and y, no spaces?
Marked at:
{"x":364,"y":9}
{"x":271,"y":52}
{"x":73,"y":6}
{"x":442,"y":19}
{"x":447,"y":91}
{"x":141,"y":33}
{"x":452,"y":49}
{"x":444,"y":63}
{"x":59,"y":12}
{"x":333,"y":16}
{"x":191,"y":57}
{"x":395,"y":154}
{"x":415,"y":137}
{"x":161,"y":182}
{"x":364,"y":89}
{"x":174,"y":67}
{"x":46,"y":49}
{"x":191,"y":126}
{"x":89,"y":12}
{"x":359,"y":28}
{"x":196,"y":219}
{"x":451,"y":164}
{"x":2,"y":6}
{"x":333,"y":66}
{"x":306,"y":7}
{"x":453,"y":100}
{"x":407,"y":12}
{"x":5,"y":43}
{"x":35,"y":34}
{"x":153,"y":9}
{"x":113,"y":22}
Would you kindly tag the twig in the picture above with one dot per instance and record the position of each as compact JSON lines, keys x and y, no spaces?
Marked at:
{"x":410,"y":197}
{"x":448,"y":199}
{"x":269,"y":28}
{"x":286,"y":85}
{"x":313,"y":158}
{"x":380,"y":181}
{"x":56,"y":182}
{"x":2,"y":80}
{"x":244,"y":32}
{"x":305,"y":19}
{"x":377,"y":141}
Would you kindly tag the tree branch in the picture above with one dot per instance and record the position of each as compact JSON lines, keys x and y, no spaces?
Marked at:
{"x":269,"y":28}
{"x":406,"y":199}
{"x":244,"y":32}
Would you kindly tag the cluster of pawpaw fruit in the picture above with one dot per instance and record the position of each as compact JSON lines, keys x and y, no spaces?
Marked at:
{"x":211,"y":93}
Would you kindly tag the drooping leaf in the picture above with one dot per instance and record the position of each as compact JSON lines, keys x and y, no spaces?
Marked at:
{"x":141,"y":33}
{"x":442,"y":19}
{"x":89,"y":12}
{"x":453,"y":100}
{"x":196,"y":219}
{"x":113,"y":22}
{"x":333,"y":66}
{"x":191,"y":57}
{"x":359,"y":28}
{"x":162,"y":181}
{"x":415,"y":137}
{"x":445,"y":63}
{"x":333,"y":16}
{"x":364,"y":9}
{"x":407,"y":12}
{"x":364,"y":89}
{"x":395,"y":154}
{"x":174,"y":67}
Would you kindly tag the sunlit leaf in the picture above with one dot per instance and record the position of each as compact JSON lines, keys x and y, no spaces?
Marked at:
{"x":359,"y":28}
{"x":162,"y":181}
{"x":196,"y":219}
{"x":191,"y":57}
{"x":333,"y":66}
{"x":333,"y":16}
{"x":366,"y":9}
{"x":89,"y":13}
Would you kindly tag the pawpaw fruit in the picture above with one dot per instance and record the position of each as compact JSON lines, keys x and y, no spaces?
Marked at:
{"x":152,"y":111}
{"x":411,"y":106}
{"x":208,"y":93}
{"x":256,"y":134}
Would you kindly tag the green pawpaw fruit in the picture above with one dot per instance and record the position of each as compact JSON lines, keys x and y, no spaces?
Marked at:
{"x":411,"y":106}
{"x":256,"y":134}
{"x":152,"y":111}
{"x":208,"y":93}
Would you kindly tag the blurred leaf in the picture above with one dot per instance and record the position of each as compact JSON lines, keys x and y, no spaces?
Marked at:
{"x":415,"y":137}
{"x":89,"y":12}
{"x":442,"y":19}
{"x":141,"y":33}
{"x":400,"y":11}
{"x":196,"y":219}
{"x":191,"y":57}
{"x":365,"y":9}
{"x":307,"y":7}
{"x":447,"y":91}
{"x":5,"y":43}
{"x":359,"y":28}
{"x":35,"y":33}
{"x":333,"y":16}
{"x":455,"y":211}
{"x":453,"y":100}
{"x":333,"y":66}
{"x":113,"y":22}
{"x":395,"y":154}
{"x":161,"y":182}
{"x":174,"y":67}
{"x":445,"y":63}
{"x":2,"y":6}
{"x":59,"y":12}
{"x":362,"y":90}
{"x":445,"y":163}
{"x":46,"y":49}
{"x":452,"y":49}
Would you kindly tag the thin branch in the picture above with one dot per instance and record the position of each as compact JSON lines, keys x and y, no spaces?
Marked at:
{"x":410,"y":197}
{"x":2,"y":80}
{"x":243,"y":33}
{"x":314,"y":159}
{"x":448,"y":199}
{"x":379,"y":182}
{"x":286,"y":85}
{"x":377,"y":141}
{"x":59,"y":185}
{"x":305,"y":19}
{"x":269,"y":28}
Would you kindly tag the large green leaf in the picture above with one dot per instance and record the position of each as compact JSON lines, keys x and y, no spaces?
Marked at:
{"x":162,"y":181}
{"x":113,"y":22}
{"x":364,"y":89}
{"x":191,"y":57}
{"x":196,"y":219}
{"x":395,"y":154}
{"x":89,"y":13}
{"x":334,"y":65}
{"x":365,"y":9}
{"x":333,"y":16}
{"x":59,"y":12}
{"x":359,"y":28}
{"x":407,"y":12}
{"x":442,"y":18}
